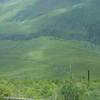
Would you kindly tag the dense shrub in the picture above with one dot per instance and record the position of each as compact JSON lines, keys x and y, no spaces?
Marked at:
{"x":51,"y":90}
{"x":6,"y":88}
{"x":71,"y":91}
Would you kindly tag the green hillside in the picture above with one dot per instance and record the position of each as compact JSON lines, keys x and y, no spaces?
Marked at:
{"x":23,"y":23}
{"x":40,"y":68}
{"x":48,"y":58}
{"x":47,"y":47}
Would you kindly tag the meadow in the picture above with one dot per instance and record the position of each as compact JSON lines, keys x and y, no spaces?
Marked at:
{"x":41,"y":67}
{"x":47,"y":57}
{"x":48,"y":47}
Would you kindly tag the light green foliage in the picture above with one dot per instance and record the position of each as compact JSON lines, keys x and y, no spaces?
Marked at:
{"x":77,"y":91}
{"x":7,"y":89}
{"x":71,"y":91}
{"x":50,"y":89}
{"x":39,"y":89}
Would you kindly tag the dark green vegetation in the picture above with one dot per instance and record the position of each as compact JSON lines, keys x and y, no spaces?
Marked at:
{"x":69,"y":19}
{"x":44,"y":41}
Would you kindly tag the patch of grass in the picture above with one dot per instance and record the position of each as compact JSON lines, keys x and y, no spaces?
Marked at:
{"x":48,"y":58}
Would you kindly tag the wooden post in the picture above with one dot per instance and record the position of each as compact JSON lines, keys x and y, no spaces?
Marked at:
{"x":71,"y":72}
{"x":88,"y":77}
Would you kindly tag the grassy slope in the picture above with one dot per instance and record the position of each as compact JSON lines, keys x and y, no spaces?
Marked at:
{"x":47,"y":58}
{"x":42,"y":57}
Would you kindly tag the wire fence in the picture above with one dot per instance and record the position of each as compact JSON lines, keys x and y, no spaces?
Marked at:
{"x":18,"y":98}
{"x":15,"y":98}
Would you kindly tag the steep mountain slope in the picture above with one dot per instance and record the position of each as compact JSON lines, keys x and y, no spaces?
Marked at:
{"x":15,"y":14}
{"x":67,"y":19}
{"x":41,"y":7}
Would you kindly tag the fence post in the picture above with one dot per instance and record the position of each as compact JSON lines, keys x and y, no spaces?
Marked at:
{"x":71,"y":76}
{"x":88,"y":77}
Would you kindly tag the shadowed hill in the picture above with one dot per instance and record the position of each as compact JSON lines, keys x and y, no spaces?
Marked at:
{"x":67,"y":19}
